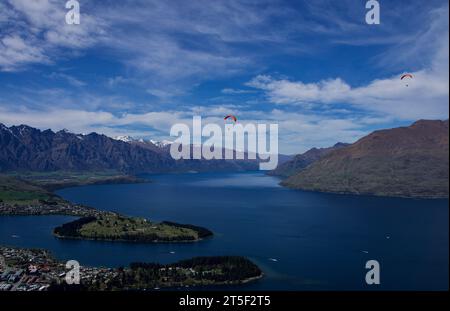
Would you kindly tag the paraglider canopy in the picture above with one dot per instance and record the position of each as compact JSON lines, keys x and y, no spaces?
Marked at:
{"x":406,"y":76}
{"x":230,"y":116}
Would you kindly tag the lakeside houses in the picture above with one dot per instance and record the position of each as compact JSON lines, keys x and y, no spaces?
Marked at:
{"x":48,"y":209}
{"x":36,"y":270}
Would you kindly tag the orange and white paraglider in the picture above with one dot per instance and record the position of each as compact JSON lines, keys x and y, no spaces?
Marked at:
{"x":406,"y":77}
{"x":230,"y":116}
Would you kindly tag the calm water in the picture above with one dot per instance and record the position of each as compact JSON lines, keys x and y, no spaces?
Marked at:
{"x":301,"y":240}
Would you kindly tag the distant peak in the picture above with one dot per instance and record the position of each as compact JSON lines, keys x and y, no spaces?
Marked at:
{"x":161,"y":144}
{"x":339,"y":144}
{"x":425,"y":122}
{"x":22,"y":127}
{"x":125,"y":138}
{"x":64,"y":131}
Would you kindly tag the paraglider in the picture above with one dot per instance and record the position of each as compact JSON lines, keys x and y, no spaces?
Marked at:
{"x":230,"y":117}
{"x":405,"y":77}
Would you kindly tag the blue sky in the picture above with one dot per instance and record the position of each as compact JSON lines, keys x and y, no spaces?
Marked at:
{"x":137,"y":67}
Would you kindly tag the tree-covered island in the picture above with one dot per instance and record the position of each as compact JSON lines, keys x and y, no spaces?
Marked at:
{"x":114,"y":227}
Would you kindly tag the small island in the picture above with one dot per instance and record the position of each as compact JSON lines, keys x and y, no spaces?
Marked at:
{"x":115,"y":227}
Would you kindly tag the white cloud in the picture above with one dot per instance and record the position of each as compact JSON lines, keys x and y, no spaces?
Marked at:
{"x":230,"y":91}
{"x":68,"y":78}
{"x":82,"y":121}
{"x":424,"y":45}
{"x":15,"y":50}
{"x":117,"y":80}
{"x":289,"y":92}
{"x":172,"y":42}
{"x":298,"y":132}
{"x":176,"y":45}
{"x":425,"y":96}
{"x":36,"y":31}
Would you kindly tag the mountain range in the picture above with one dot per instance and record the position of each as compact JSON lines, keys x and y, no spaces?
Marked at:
{"x":23,"y":148}
{"x":410,"y":161}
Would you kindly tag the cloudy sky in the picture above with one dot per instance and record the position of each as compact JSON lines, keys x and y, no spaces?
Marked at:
{"x":137,"y":67}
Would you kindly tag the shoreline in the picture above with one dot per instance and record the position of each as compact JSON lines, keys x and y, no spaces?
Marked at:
{"x":49,"y":274}
{"x":113,"y":180}
{"x":287,"y":186}
{"x":66,"y":208}
{"x":55,"y":204}
{"x":215,"y":286}
{"x":58,"y":236}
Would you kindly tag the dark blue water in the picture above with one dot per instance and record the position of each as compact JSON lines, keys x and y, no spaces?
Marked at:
{"x":301,"y":240}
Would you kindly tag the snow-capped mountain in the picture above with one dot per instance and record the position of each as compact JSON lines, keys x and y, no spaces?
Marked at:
{"x":30,"y":149}
{"x":125,"y":138}
{"x":161,"y":144}
{"x":129,"y":139}
{"x":23,"y":148}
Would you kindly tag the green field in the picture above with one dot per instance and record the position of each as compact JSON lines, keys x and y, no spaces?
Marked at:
{"x":20,"y":196}
{"x":17,"y":191}
{"x":63,"y":179}
{"x":116,"y":227}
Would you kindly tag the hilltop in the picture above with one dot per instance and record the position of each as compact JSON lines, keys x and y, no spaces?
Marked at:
{"x":301,"y":161}
{"x":408,"y":161}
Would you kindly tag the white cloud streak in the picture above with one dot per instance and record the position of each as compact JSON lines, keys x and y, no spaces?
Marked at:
{"x":35,"y":31}
{"x":181,"y":43}
{"x":298,"y":132}
{"x":425,"y":96}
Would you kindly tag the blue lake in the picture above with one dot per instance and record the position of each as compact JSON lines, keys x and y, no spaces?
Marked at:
{"x":301,"y":240}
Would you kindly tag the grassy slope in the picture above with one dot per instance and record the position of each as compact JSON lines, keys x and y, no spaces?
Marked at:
{"x":17,"y":191}
{"x":116,"y":227}
{"x":62,"y":179}
{"x":375,"y":175}
{"x":408,"y":162}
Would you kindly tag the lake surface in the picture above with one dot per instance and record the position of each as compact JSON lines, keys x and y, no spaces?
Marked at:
{"x":301,"y":240}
